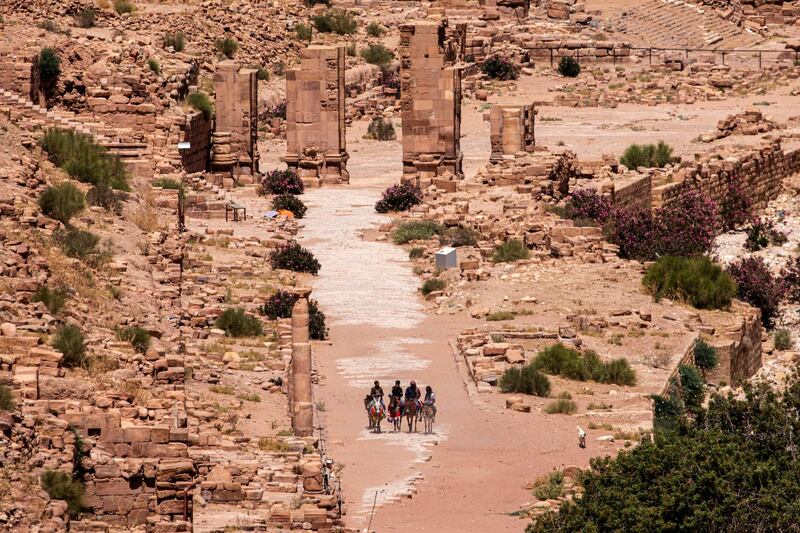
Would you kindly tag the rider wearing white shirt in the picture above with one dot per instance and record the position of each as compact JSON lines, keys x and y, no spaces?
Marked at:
{"x":430,"y":399}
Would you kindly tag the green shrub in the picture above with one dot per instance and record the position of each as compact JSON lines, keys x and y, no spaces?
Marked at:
{"x":104,"y":196}
{"x":83,"y":159}
{"x":339,"y":21}
{"x":381,"y":130}
{"x":86,"y":18}
{"x":562,"y":361}
{"x":695,"y":280}
{"x":550,"y":486}
{"x":201,"y":102}
{"x":416,"y":253}
{"x":138,"y":337}
{"x":77,"y":243}
{"x":432,"y":285}
{"x":416,"y":230}
{"x":303,"y":32}
{"x":227,"y":46}
{"x":124,"y":6}
{"x":317,"y":329}
{"x":561,"y":406}
{"x":60,"y":486}
{"x":499,"y":67}
{"x":377,"y":54}
{"x":692,"y":387}
{"x":6,"y":399}
{"x":350,"y":49}
{"x":499,"y":316}
{"x":400,"y":197}
{"x":295,"y":258}
{"x":53,"y":299}
{"x":153,"y":65}
{"x":647,"y":155}
{"x":61,"y":202}
{"x":525,"y":380}
{"x":511,"y":250}
{"x":176,"y":41}
{"x":53,"y":27}
{"x":49,"y":66}
{"x":70,"y":342}
{"x":237,"y":323}
{"x":782,"y":339}
{"x":569,"y":67}
{"x":705,"y":356}
{"x":262,"y":74}
{"x":375,"y":30}
{"x":459,"y":236}
{"x":289,"y":202}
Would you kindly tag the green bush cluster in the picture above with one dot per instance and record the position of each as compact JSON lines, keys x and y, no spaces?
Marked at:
{"x":377,"y":54}
{"x":459,"y":236}
{"x":705,"y":356}
{"x":289,"y":202}
{"x":86,"y":18}
{"x":83,"y":159}
{"x":138,"y":337}
{"x":381,"y":130}
{"x":6,"y":399}
{"x":375,"y":30}
{"x":200,"y":101}
{"x":124,"y":6}
{"x":509,"y":251}
{"x":562,"y":406}
{"x":53,"y":299}
{"x":60,"y":486}
{"x":432,"y":285}
{"x":227,"y":46}
{"x":236,"y":323}
{"x":338,"y":21}
{"x":647,"y":155}
{"x":176,"y":41}
{"x":695,"y":280}
{"x":304,"y":32}
{"x":49,"y":66}
{"x":104,"y":196}
{"x":295,"y":258}
{"x":569,"y":67}
{"x":79,"y":244}
{"x":61,"y":202}
{"x":69,"y":341}
{"x":154,"y":65}
{"x":551,"y":486}
{"x":525,"y":380}
{"x":416,"y":230}
{"x":782,"y":339}
{"x":317,"y":329}
{"x":560,"y":360}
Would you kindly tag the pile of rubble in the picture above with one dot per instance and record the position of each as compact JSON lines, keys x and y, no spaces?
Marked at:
{"x":750,"y":122}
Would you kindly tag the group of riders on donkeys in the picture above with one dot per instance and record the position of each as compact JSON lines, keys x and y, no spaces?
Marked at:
{"x":401,"y":404}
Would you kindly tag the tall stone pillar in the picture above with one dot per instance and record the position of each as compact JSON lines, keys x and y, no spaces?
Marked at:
{"x":235,"y":149}
{"x":301,"y":403}
{"x":430,"y":102}
{"x":512,"y":130}
{"x":315,"y":131}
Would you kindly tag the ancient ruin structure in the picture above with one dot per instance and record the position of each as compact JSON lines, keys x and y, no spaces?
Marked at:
{"x":300,"y":381}
{"x":430,"y":104}
{"x":315,"y":130}
{"x":235,"y":150}
{"x":512,"y":129}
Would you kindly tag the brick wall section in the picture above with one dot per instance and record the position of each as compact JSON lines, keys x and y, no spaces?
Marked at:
{"x":585,"y":51}
{"x":634,"y":192}
{"x":315,"y":116}
{"x":760,"y":170}
{"x":430,"y":103}
{"x":19,"y":72}
{"x":196,"y":131}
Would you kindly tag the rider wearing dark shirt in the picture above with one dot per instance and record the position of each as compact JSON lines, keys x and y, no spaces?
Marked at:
{"x":413,"y":393}
{"x":397,"y":390}
{"x":377,"y":391}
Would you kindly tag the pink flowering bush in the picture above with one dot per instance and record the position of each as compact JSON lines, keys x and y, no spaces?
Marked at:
{"x":399,"y":198}
{"x":684,"y":228}
{"x":281,"y":182}
{"x":736,"y":208}
{"x":588,"y":204}
{"x":758,"y":287}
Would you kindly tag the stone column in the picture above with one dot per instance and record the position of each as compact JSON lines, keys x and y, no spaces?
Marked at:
{"x":301,"y":405}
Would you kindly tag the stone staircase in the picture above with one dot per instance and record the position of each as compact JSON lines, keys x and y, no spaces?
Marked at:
{"x":31,"y":116}
{"x":679,"y":24}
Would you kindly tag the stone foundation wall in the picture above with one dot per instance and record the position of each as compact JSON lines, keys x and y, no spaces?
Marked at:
{"x":759,"y":171}
{"x":633,"y":193}
{"x":19,"y":72}
{"x":541,"y":50}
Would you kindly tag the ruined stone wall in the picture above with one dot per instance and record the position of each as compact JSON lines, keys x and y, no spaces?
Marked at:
{"x":315,"y":114}
{"x":236,"y":120}
{"x":759,"y":172}
{"x":544,"y":49}
{"x":197,"y":132}
{"x":19,"y":72}
{"x":512,"y":129}
{"x":430,"y":103}
{"x":633,"y":193}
